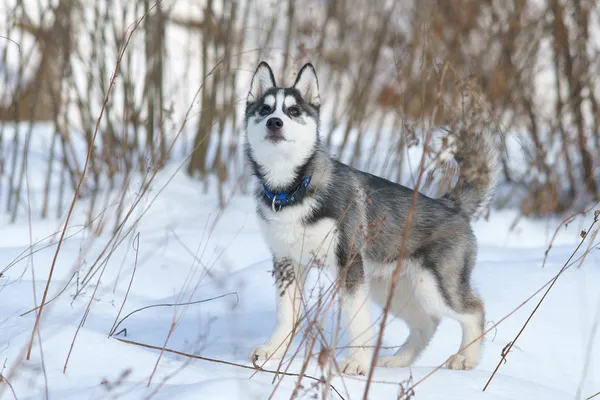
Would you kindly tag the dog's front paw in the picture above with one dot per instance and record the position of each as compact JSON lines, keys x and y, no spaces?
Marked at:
{"x":266,"y":352}
{"x":355,"y":365}
{"x":459,"y":361}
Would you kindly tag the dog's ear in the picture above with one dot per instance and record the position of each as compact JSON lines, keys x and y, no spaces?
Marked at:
{"x":308,"y":85}
{"x":262,"y":81}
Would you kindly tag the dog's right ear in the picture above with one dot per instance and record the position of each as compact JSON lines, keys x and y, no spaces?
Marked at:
{"x":262,"y":81}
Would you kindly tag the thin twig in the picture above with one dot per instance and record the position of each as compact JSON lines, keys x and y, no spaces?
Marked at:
{"x":511,"y":344}
{"x":3,"y":379}
{"x":175,"y":305}
{"x":592,"y":396}
{"x":39,"y":335}
{"x":215,"y":360}
{"x":136,"y":247}
{"x":590,"y":351}
{"x":54,"y":298}
{"x":21,"y":256}
{"x":162,"y":351}
{"x":565,"y":222}
{"x":10,"y":40}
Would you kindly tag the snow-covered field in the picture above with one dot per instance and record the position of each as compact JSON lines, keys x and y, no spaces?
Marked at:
{"x":188,"y":250}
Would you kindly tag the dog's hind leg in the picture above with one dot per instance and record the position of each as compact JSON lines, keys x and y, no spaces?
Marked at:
{"x":422,"y":327}
{"x":471,"y":320}
{"x":444,"y":288}
{"x":465,"y":307}
{"x":406,"y":304}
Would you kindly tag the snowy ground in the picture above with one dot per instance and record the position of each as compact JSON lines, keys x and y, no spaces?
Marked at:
{"x":547,"y":362}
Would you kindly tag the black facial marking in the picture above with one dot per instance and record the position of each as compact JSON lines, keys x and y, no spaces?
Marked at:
{"x":303,"y":106}
{"x":254,"y":108}
{"x":265,"y":110}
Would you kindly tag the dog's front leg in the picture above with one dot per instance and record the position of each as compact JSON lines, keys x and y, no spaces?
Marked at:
{"x":355,"y":307}
{"x":290,"y":286}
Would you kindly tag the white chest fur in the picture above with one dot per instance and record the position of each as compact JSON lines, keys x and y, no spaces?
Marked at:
{"x":287,"y":236}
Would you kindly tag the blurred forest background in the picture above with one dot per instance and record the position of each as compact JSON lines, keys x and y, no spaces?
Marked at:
{"x":388,"y":70}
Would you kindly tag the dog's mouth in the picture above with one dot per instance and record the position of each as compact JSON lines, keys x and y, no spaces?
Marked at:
{"x":274,"y":137}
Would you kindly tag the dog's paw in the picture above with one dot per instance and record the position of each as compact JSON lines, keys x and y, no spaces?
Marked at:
{"x":393,"y":362}
{"x":459,"y":361}
{"x":355,"y":366}
{"x":266,"y":352}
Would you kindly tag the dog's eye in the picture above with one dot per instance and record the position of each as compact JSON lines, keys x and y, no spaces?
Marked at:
{"x":264,"y":110}
{"x":294,"y":111}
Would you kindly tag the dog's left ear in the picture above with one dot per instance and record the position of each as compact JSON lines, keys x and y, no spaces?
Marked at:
{"x":308,"y":85}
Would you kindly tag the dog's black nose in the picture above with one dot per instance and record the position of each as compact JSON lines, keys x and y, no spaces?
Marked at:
{"x":274,"y":124}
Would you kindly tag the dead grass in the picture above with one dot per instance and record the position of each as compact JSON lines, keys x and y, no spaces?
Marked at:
{"x":497,"y":52}
{"x":441,"y":64}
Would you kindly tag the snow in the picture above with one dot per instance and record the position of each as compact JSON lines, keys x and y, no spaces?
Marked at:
{"x":184,"y":225}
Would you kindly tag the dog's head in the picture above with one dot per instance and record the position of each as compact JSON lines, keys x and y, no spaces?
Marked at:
{"x":282,"y":124}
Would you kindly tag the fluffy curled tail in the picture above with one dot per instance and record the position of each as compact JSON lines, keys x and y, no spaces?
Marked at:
{"x":478,"y":161}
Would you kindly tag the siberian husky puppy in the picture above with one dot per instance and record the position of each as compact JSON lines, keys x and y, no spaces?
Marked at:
{"x":312,"y":207}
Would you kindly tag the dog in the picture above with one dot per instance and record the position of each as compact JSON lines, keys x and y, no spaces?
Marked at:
{"x":313,"y":207}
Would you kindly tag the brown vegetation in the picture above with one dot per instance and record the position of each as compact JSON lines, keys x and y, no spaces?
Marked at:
{"x":526,"y":68}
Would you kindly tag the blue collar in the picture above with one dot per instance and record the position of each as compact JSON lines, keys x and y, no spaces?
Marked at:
{"x":279,"y":200}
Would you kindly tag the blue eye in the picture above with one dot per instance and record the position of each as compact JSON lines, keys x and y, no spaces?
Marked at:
{"x":264,"y":110}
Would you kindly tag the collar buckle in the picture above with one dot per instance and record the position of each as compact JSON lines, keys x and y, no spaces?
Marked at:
{"x":273,"y":206}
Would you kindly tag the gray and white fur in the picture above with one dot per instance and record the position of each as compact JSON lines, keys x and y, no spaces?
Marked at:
{"x":352,"y":222}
